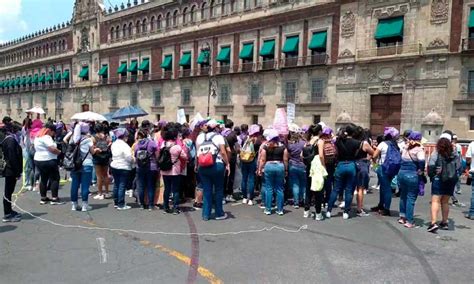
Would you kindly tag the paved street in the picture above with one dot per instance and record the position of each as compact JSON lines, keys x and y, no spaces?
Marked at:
{"x":360,"y":250}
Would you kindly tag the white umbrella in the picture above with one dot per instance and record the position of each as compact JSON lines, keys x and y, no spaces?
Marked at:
{"x":88,"y":116}
{"x":36,"y":109}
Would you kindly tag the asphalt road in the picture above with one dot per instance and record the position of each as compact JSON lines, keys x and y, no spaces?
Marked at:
{"x":76,"y":247}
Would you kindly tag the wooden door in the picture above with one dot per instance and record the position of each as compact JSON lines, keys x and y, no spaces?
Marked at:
{"x":385,"y":110}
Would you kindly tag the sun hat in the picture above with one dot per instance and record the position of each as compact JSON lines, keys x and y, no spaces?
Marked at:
{"x":292,"y":127}
{"x":254,"y":129}
{"x":392,"y":131}
{"x":270,"y":134}
{"x":415,"y":136}
{"x":445,"y":136}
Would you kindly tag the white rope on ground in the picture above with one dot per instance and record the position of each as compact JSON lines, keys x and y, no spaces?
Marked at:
{"x":265,"y":229}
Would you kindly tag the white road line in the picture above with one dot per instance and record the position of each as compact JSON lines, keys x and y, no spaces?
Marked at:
{"x":102,"y":251}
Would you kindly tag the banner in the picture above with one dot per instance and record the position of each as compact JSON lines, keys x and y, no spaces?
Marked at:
{"x":181,"y":116}
{"x":290,"y":110}
{"x":280,"y":122}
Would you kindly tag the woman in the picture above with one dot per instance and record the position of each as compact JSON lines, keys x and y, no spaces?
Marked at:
{"x":411,"y":171}
{"x":46,"y":159}
{"x":28,"y":152}
{"x":390,"y":140}
{"x":327,"y":154}
{"x":101,"y":160}
{"x":83,"y":176}
{"x":273,"y":163}
{"x":310,"y":151}
{"x":12,"y":154}
{"x":121,"y":166}
{"x":345,"y":173}
{"x":248,"y":164}
{"x":171,"y":177}
{"x":212,"y":177}
{"x":146,"y":154}
{"x":189,"y":176}
{"x":297,"y":169}
{"x":363,"y":155}
{"x":444,"y":168}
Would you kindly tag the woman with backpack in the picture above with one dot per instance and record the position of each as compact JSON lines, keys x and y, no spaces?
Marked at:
{"x":101,"y":161}
{"x":443,"y":168}
{"x":328,"y":155}
{"x":171,"y":158}
{"x":297,"y":170}
{"x":121,"y":166}
{"x":146,"y":154}
{"x":248,"y":163}
{"x":273,"y":164}
{"x":345,"y":174}
{"x":386,"y":151}
{"x":310,"y":151}
{"x":411,"y":172}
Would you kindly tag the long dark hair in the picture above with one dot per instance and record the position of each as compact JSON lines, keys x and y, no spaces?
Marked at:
{"x":444,"y":148}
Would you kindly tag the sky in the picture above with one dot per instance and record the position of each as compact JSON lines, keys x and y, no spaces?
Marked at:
{"x":21,"y":17}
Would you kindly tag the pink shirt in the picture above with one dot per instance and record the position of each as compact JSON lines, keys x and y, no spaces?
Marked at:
{"x":178,"y":157}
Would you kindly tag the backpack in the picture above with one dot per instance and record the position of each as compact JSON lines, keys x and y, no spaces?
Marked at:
{"x":247,"y":153}
{"x":3,"y":162}
{"x":104,"y":156}
{"x":329,"y":152}
{"x":393,"y":160}
{"x":308,"y":153}
{"x":72,"y":158}
{"x":207,"y":152}
{"x":143,"y":156}
{"x":449,"y":168}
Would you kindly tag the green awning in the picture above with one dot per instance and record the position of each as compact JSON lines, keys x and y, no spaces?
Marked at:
{"x":49,"y":77}
{"x":1,"y":84}
{"x":57,"y":76}
{"x":122,"y":68}
{"x":42,"y":78}
{"x":84,"y":72}
{"x":35,"y":79}
{"x":203,"y":57}
{"x":133,"y":66}
{"x":318,"y":40}
{"x":247,"y":51}
{"x":23,"y":81}
{"x":291,"y":44}
{"x":28,"y":80}
{"x":65,"y":75}
{"x":387,"y":28}
{"x":471,"y":18}
{"x":224,"y":54}
{"x":9,"y":83}
{"x":167,"y":62}
{"x":145,"y":65}
{"x":185,"y":59}
{"x":103,"y":70}
{"x":268,"y":48}
{"x":17,"y":81}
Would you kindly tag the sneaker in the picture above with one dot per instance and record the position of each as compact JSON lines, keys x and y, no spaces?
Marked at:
{"x":306,"y":214}
{"x":99,"y":197}
{"x":375,"y":209}
{"x":345,"y":216}
{"x":125,"y":207}
{"x":244,"y":201}
{"x":85,"y":207}
{"x":280,"y":213}
{"x":10,"y":218}
{"x":409,"y":225}
{"x":250,"y":203}
{"x":433,"y":228}
{"x":402,"y":220}
{"x":328,"y":215}
{"x":107,"y":196}
{"x":56,"y":201}
{"x":342,"y":204}
{"x":319,"y":217}
{"x":45,"y":201}
{"x":261,"y":206}
{"x":385,"y":212}
{"x":74,"y":206}
{"x":296,"y":206}
{"x":223,"y":217}
{"x":176,"y":211}
{"x":362,"y":213}
{"x":230,"y":198}
{"x":458,"y":191}
{"x":470,"y":217}
{"x":443,"y":226}
{"x":267,"y":212}
{"x":130,"y":193}
{"x":458,"y":204}
{"x":197,"y":206}
{"x":115,"y":206}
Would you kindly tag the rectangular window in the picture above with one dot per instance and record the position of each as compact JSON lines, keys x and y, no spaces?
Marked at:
{"x":470,"y":83}
{"x":316,"y":90}
{"x":44,"y":101}
{"x":158,"y":117}
{"x":185,"y":96}
{"x":134,"y":98}
{"x":30,"y":101}
{"x":316,"y":119}
{"x":113,"y":100}
{"x":9,"y":102}
{"x":246,"y":4}
{"x":157,"y":98}
{"x":255,"y":119}
{"x":471,"y":123}
{"x":254,"y":94}
{"x":290,"y":92}
{"x":18,"y":102}
{"x":224,"y":118}
{"x":187,"y":117}
{"x":224,"y":96}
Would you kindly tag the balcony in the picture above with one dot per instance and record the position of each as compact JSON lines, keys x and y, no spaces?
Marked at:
{"x":468,"y":44}
{"x":185,"y":73}
{"x":144,"y":77}
{"x":167,"y":74}
{"x":123,"y":79}
{"x":267,"y":64}
{"x":204,"y":70}
{"x":247,"y":67}
{"x":390,"y":51}
{"x":317,"y":59}
{"x":133,"y":78}
{"x":223,"y":69}
{"x":464,"y":103}
{"x":103,"y":81}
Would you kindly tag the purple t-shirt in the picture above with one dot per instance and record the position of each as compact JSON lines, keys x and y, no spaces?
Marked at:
{"x":294,"y":150}
{"x":151,"y":148}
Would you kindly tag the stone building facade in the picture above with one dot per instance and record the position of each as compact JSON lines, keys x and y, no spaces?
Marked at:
{"x":405,"y":63}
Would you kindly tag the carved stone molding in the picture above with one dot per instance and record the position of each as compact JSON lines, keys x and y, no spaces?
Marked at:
{"x":437,"y":43}
{"x":346,"y":53}
{"x":391,"y":11}
{"x":348,"y":24}
{"x":439,"y":11}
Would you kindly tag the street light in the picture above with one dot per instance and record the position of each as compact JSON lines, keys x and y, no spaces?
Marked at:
{"x":212,"y":80}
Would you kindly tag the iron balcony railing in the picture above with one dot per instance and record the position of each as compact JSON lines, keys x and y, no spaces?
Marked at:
{"x":396,"y":50}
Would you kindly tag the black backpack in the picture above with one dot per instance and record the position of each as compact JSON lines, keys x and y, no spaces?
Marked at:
{"x":143,"y":157}
{"x":102,"y":158}
{"x":73,"y":158}
{"x":3,"y":162}
{"x":165,"y":163}
{"x":308,"y":153}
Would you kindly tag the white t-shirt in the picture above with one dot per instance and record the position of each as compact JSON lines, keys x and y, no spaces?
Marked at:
{"x":41,"y":149}
{"x":470,"y":154}
{"x":383,"y":147}
{"x":217,"y":139}
{"x":121,"y":155}
{"x":86,"y":145}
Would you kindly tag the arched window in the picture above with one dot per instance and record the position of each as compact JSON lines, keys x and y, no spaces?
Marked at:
{"x":175,"y":18}
{"x":168,"y":20}
{"x":117,"y":32}
{"x":64,"y":44}
{"x":246,"y":4}
{"x":124,"y":31}
{"x":152,"y":24}
{"x":144,"y":26}
{"x":47,"y":49}
{"x":192,"y":14}
{"x":130,"y":29}
{"x":137,"y":27}
{"x":185,"y":15}
{"x":212,"y":9}
{"x":55,"y":47}
{"x":204,"y":11}
{"x":232,"y":6}
{"x":112,"y":33}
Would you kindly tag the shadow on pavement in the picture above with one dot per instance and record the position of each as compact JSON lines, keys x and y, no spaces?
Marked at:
{"x":7,"y":228}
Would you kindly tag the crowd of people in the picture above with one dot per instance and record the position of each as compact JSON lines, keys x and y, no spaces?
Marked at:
{"x":301,"y":167}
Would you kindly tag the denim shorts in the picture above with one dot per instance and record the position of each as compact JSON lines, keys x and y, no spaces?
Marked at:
{"x":362,"y":176}
{"x":439,"y":187}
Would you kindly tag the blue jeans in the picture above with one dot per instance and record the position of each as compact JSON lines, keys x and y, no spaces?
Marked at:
{"x":120,"y":183}
{"x":385,"y":189}
{"x":83,"y":179}
{"x":29,"y":168}
{"x":408,"y":181}
{"x":171,"y":186}
{"x":248,"y":178}
{"x":212,"y":179}
{"x":471,"y":209}
{"x":146,"y":180}
{"x":94,"y":176}
{"x":344,"y":177}
{"x":274,"y":182}
{"x":297,"y":181}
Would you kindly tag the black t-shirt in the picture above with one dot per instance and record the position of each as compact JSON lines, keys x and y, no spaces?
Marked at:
{"x":232,"y":140}
{"x":347,"y":148}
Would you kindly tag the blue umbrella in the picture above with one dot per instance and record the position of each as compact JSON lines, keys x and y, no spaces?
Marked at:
{"x":129,"y":112}
{"x":109,"y":117}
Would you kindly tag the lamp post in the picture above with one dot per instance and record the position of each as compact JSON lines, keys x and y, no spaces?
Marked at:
{"x":212,"y":80}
